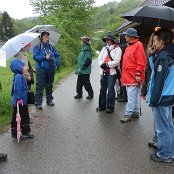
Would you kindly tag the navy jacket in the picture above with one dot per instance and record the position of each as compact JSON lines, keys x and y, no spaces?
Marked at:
{"x":19,"y":86}
{"x":162,"y":93}
{"x":39,"y":55}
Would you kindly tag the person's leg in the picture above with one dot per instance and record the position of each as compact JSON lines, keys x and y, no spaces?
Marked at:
{"x":132,"y":92}
{"x":103,"y":90}
{"x":164,"y":128}
{"x":111,"y":93}
{"x":49,"y":87}
{"x":79,"y":87}
{"x":13,"y":123}
{"x":25,"y":120}
{"x":88,"y":87}
{"x":40,"y":84}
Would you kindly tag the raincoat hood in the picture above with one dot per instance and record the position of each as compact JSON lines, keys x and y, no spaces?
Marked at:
{"x":170,"y":49}
{"x":17,"y":66}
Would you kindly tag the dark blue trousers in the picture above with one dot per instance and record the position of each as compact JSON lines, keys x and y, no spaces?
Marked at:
{"x":44,"y":80}
{"x":107,"y":92}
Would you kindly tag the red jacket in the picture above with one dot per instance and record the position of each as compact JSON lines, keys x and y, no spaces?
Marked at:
{"x":134,"y":61}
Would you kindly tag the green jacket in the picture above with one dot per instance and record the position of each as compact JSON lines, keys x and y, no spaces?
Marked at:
{"x":84,"y":60}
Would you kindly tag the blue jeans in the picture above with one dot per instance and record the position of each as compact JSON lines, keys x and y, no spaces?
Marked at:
{"x":165,"y":131}
{"x":107,"y":84}
{"x":132,"y":104}
{"x":44,"y":79}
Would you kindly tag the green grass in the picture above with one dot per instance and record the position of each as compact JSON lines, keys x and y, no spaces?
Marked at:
{"x":6,"y":77}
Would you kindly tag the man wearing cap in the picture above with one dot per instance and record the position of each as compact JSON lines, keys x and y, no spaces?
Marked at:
{"x":109,"y":58}
{"x":133,"y":69}
{"x":83,"y":69}
{"x":47,"y":60}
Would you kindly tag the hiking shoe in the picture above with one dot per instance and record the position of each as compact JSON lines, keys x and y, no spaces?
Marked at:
{"x":122,"y":100}
{"x":27,"y":136}
{"x":100,"y":109}
{"x":50,"y":103}
{"x":155,"y":157}
{"x":126,"y":119}
{"x":3,"y":157}
{"x":109,"y":110}
{"x":78,"y":96}
{"x":89,"y":97}
{"x":135,"y":115}
{"x":153,"y":144}
{"x":39,"y":107}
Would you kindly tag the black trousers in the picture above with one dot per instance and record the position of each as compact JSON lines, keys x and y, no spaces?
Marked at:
{"x":84,"y":80}
{"x":25,"y":120}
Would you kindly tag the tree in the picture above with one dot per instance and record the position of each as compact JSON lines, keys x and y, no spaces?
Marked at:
{"x":73,"y":18}
{"x":6,"y":27}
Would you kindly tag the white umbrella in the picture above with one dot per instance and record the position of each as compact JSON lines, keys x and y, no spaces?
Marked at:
{"x":53,"y":37}
{"x":14,"y":45}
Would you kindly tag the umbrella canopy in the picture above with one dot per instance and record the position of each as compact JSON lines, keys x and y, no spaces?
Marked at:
{"x":14,"y":45}
{"x":51,"y":29}
{"x":151,"y":15}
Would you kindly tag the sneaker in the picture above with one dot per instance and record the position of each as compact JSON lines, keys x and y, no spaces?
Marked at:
{"x":50,"y":103}
{"x":39,"y":107}
{"x":153,"y":144}
{"x":3,"y":157}
{"x":155,"y":157}
{"x":89,"y":97}
{"x":27,"y":136}
{"x":126,"y":119}
{"x":135,"y":115}
{"x":78,"y":96}
{"x":109,"y":110}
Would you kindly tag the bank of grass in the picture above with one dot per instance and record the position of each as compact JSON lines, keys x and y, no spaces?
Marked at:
{"x":6,"y":77}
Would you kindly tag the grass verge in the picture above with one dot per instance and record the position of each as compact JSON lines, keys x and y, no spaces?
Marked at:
{"x":6,"y":77}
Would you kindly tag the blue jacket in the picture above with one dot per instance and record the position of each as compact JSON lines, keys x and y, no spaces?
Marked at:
{"x":19,"y":86}
{"x":161,"y":91}
{"x":39,"y":55}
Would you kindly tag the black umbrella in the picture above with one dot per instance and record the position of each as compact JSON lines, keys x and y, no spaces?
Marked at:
{"x":152,"y":15}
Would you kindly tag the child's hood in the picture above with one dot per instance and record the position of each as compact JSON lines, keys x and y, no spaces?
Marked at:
{"x":17,"y":66}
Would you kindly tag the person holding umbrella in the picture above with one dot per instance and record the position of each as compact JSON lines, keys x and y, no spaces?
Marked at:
{"x":47,"y":60}
{"x":83,"y":69}
{"x":133,"y":68}
{"x":20,"y":97}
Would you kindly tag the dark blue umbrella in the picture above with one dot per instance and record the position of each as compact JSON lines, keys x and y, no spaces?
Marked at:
{"x":152,"y":15}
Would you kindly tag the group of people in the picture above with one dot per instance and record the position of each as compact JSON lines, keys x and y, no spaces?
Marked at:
{"x":127,"y":63}
{"x":47,"y":60}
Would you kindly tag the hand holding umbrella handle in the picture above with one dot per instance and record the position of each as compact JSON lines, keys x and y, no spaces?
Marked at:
{"x":20,"y":102}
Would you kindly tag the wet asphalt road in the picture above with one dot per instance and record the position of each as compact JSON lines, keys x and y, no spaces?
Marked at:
{"x":72,"y":138}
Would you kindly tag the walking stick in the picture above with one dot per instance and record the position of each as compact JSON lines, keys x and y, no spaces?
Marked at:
{"x":140,"y":98}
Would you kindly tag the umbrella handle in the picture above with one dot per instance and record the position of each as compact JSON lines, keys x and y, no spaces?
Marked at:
{"x":17,"y":108}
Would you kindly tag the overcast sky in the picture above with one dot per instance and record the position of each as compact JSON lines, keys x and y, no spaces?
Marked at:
{"x":19,"y":9}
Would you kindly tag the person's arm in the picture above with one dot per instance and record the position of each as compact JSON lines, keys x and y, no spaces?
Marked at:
{"x":57,"y":57}
{"x":18,"y":87}
{"x":100,"y":57}
{"x":116,"y":58}
{"x":141,"y":59}
{"x":161,"y":69}
{"x":88,"y":60}
{"x":37,"y":56}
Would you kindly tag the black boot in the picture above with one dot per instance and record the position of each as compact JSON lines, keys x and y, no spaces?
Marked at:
{"x":78,"y":96}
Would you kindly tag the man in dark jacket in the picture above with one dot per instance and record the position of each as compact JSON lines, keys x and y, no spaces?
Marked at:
{"x":47,"y":60}
{"x":83,"y":69}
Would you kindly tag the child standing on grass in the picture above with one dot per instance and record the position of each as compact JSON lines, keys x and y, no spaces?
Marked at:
{"x":20,"y":96}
